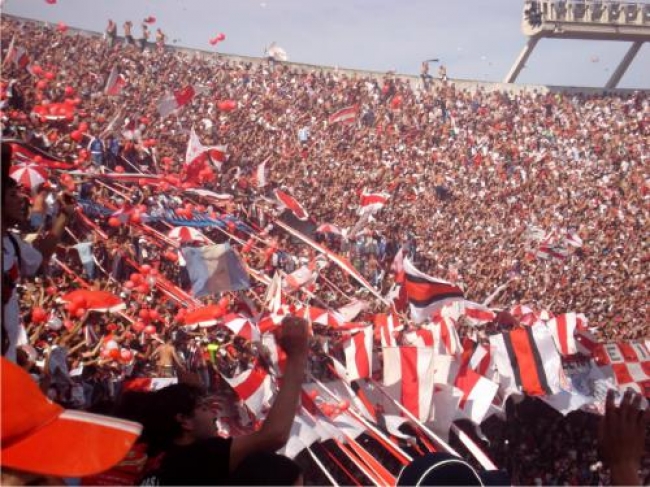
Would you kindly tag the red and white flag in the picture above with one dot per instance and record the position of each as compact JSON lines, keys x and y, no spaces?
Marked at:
{"x":427,"y":294}
{"x":346,"y":115}
{"x":630,"y":363}
{"x":563,"y":329}
{"x":397,"y":267}
{"x":371,"y":203}
{"x":288,"y":201}
{"x":358,"y":354}
{"x":242,"y":327}
{"x":351,"y":310}
{"x":276,"y":355}
{"x":17,"y":55}
{"x":477,"y":314}
{"x":196,"y":156}
{"x":441,"y":335}
{"x":177,"y":99}
{"x":527,"y":360}
{"x":409,"y":378}
{"x":481,"y":361}
{"x":115,"y":83}
{"x":387,"y":327}
{"x":254,"y":387}
{"x":329,"y":228}
{"x":478,"y":393}
{"x":302,"y":277}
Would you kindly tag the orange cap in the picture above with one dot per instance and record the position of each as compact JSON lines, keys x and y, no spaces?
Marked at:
{"x":41,"y":437}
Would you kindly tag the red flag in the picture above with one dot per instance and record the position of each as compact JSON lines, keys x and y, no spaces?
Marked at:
{"x":114,"y":83}
{"x":346,"y":115}
{"x":291,"y":203}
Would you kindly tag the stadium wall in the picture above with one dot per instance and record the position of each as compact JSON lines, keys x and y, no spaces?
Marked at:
{"x":469,"y":85}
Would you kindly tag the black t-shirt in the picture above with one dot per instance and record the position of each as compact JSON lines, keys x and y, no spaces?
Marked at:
{"x":204,"y":462}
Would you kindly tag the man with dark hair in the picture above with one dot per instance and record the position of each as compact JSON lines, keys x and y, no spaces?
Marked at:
{"x":182,"y":423}
{"x":19,"y":258}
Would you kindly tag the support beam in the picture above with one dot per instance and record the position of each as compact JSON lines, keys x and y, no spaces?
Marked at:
{"x":521,"y":60}
{"x":623,"y":65}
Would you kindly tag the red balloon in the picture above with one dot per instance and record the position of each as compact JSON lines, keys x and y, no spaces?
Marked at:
{"x":114,"y":353}
{"x":51,"y":291}
{"x":61,"y":27}
{"x":83,"y":127}
{"x":154,"y":315}
{"x":221,"y":36}
{"x":153,"y":272}
{"x":114,"y":222}
{"x":145,"y":269}
{"x":41,"y":85}
{"x":136,"y":278}
{"x":227,"y":105}
{"x":150,"y":20}
{"x":50,"y":75}
{"x":83,"y":155}
{"x":51,"y":2}
{"x":171,"y":256}
{"x":39,"y":315}
{"x":126,"y":355}
{"x":138,"y":326}
{"x":396,"y":102}
{"x":129,"y":284}
{"x":150,"y":329}
{"x":144,"y":314}
{"x":37,"y":70}
{"x":142,"y":288}
{"x":69,"y":325}
{"x":77,"y":136}
{"x":136,"y":217}
{"x":119,"y":169}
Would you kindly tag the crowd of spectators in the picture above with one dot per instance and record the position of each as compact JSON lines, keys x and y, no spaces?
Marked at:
{"x":468,"y":174}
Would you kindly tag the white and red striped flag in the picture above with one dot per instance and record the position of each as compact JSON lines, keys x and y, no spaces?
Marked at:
{"x":115,"y":83}
{"x":441,"y":335}
{"x":351,"y":310}
{"x":196,"y":156}
{"x":358,"y":354}
{"x":288,"y":201}
{"x":386,"y":327}
{"x":371,"y":203}
{"x":563,"y":329}
{"x":409,"y":378}
{"x":527,"y":360}
{"x":302,"y":277}
{"x":17,"y":55}
{"x":177,"y":99}
{"x":478,"y":393}
{"x":346,"y":115}
{"x":254,"y":387}
{"x":241,"y":326}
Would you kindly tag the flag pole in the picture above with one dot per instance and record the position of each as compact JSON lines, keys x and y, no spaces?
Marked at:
{"x":322,"y":467}
{"x":412,"y":417}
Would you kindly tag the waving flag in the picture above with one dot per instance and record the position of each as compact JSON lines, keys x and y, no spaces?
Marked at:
{"x":115,"y":83}
{"x":289,"y":202}
{"x":171,"y":102}
{"x":277,"y":53}
{"x":371,"y":203}
{"x":478,"y":393}
{"x":214,"y":269}
{"x":563,"y":328}
{"x":17,"y":55}
{"x":387,"y":326}
{"x":254,"y":387}
{"x":196,"y":156}
{"x":358,"y":354}
{"x":427,"y":294}
{"x":241,"y":326}
{"x":527,"y":360}
{"x":409,"y":378}
{"x":346,"y":115}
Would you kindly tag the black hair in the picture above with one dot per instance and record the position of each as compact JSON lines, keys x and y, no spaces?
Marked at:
{"x":161,"y":424}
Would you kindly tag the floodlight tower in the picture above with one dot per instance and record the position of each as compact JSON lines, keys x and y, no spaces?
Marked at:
{"x":599,"y":20}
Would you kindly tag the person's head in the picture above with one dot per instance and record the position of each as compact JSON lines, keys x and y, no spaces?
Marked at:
{"x":181,"y":415}
{"x":41,"y":440}
{"x":447,"y":469}
{"x":15,"y":207}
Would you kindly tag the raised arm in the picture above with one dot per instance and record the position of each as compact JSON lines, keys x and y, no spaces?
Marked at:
{"x":276,"y":429}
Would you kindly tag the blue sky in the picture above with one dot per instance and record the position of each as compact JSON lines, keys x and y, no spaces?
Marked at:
{"x":475,"y":39}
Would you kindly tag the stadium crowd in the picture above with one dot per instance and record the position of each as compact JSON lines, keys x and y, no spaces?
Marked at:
{"x":469,"y":175}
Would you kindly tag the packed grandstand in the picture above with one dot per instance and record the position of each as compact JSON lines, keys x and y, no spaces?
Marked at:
{"x":472,"y":260}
